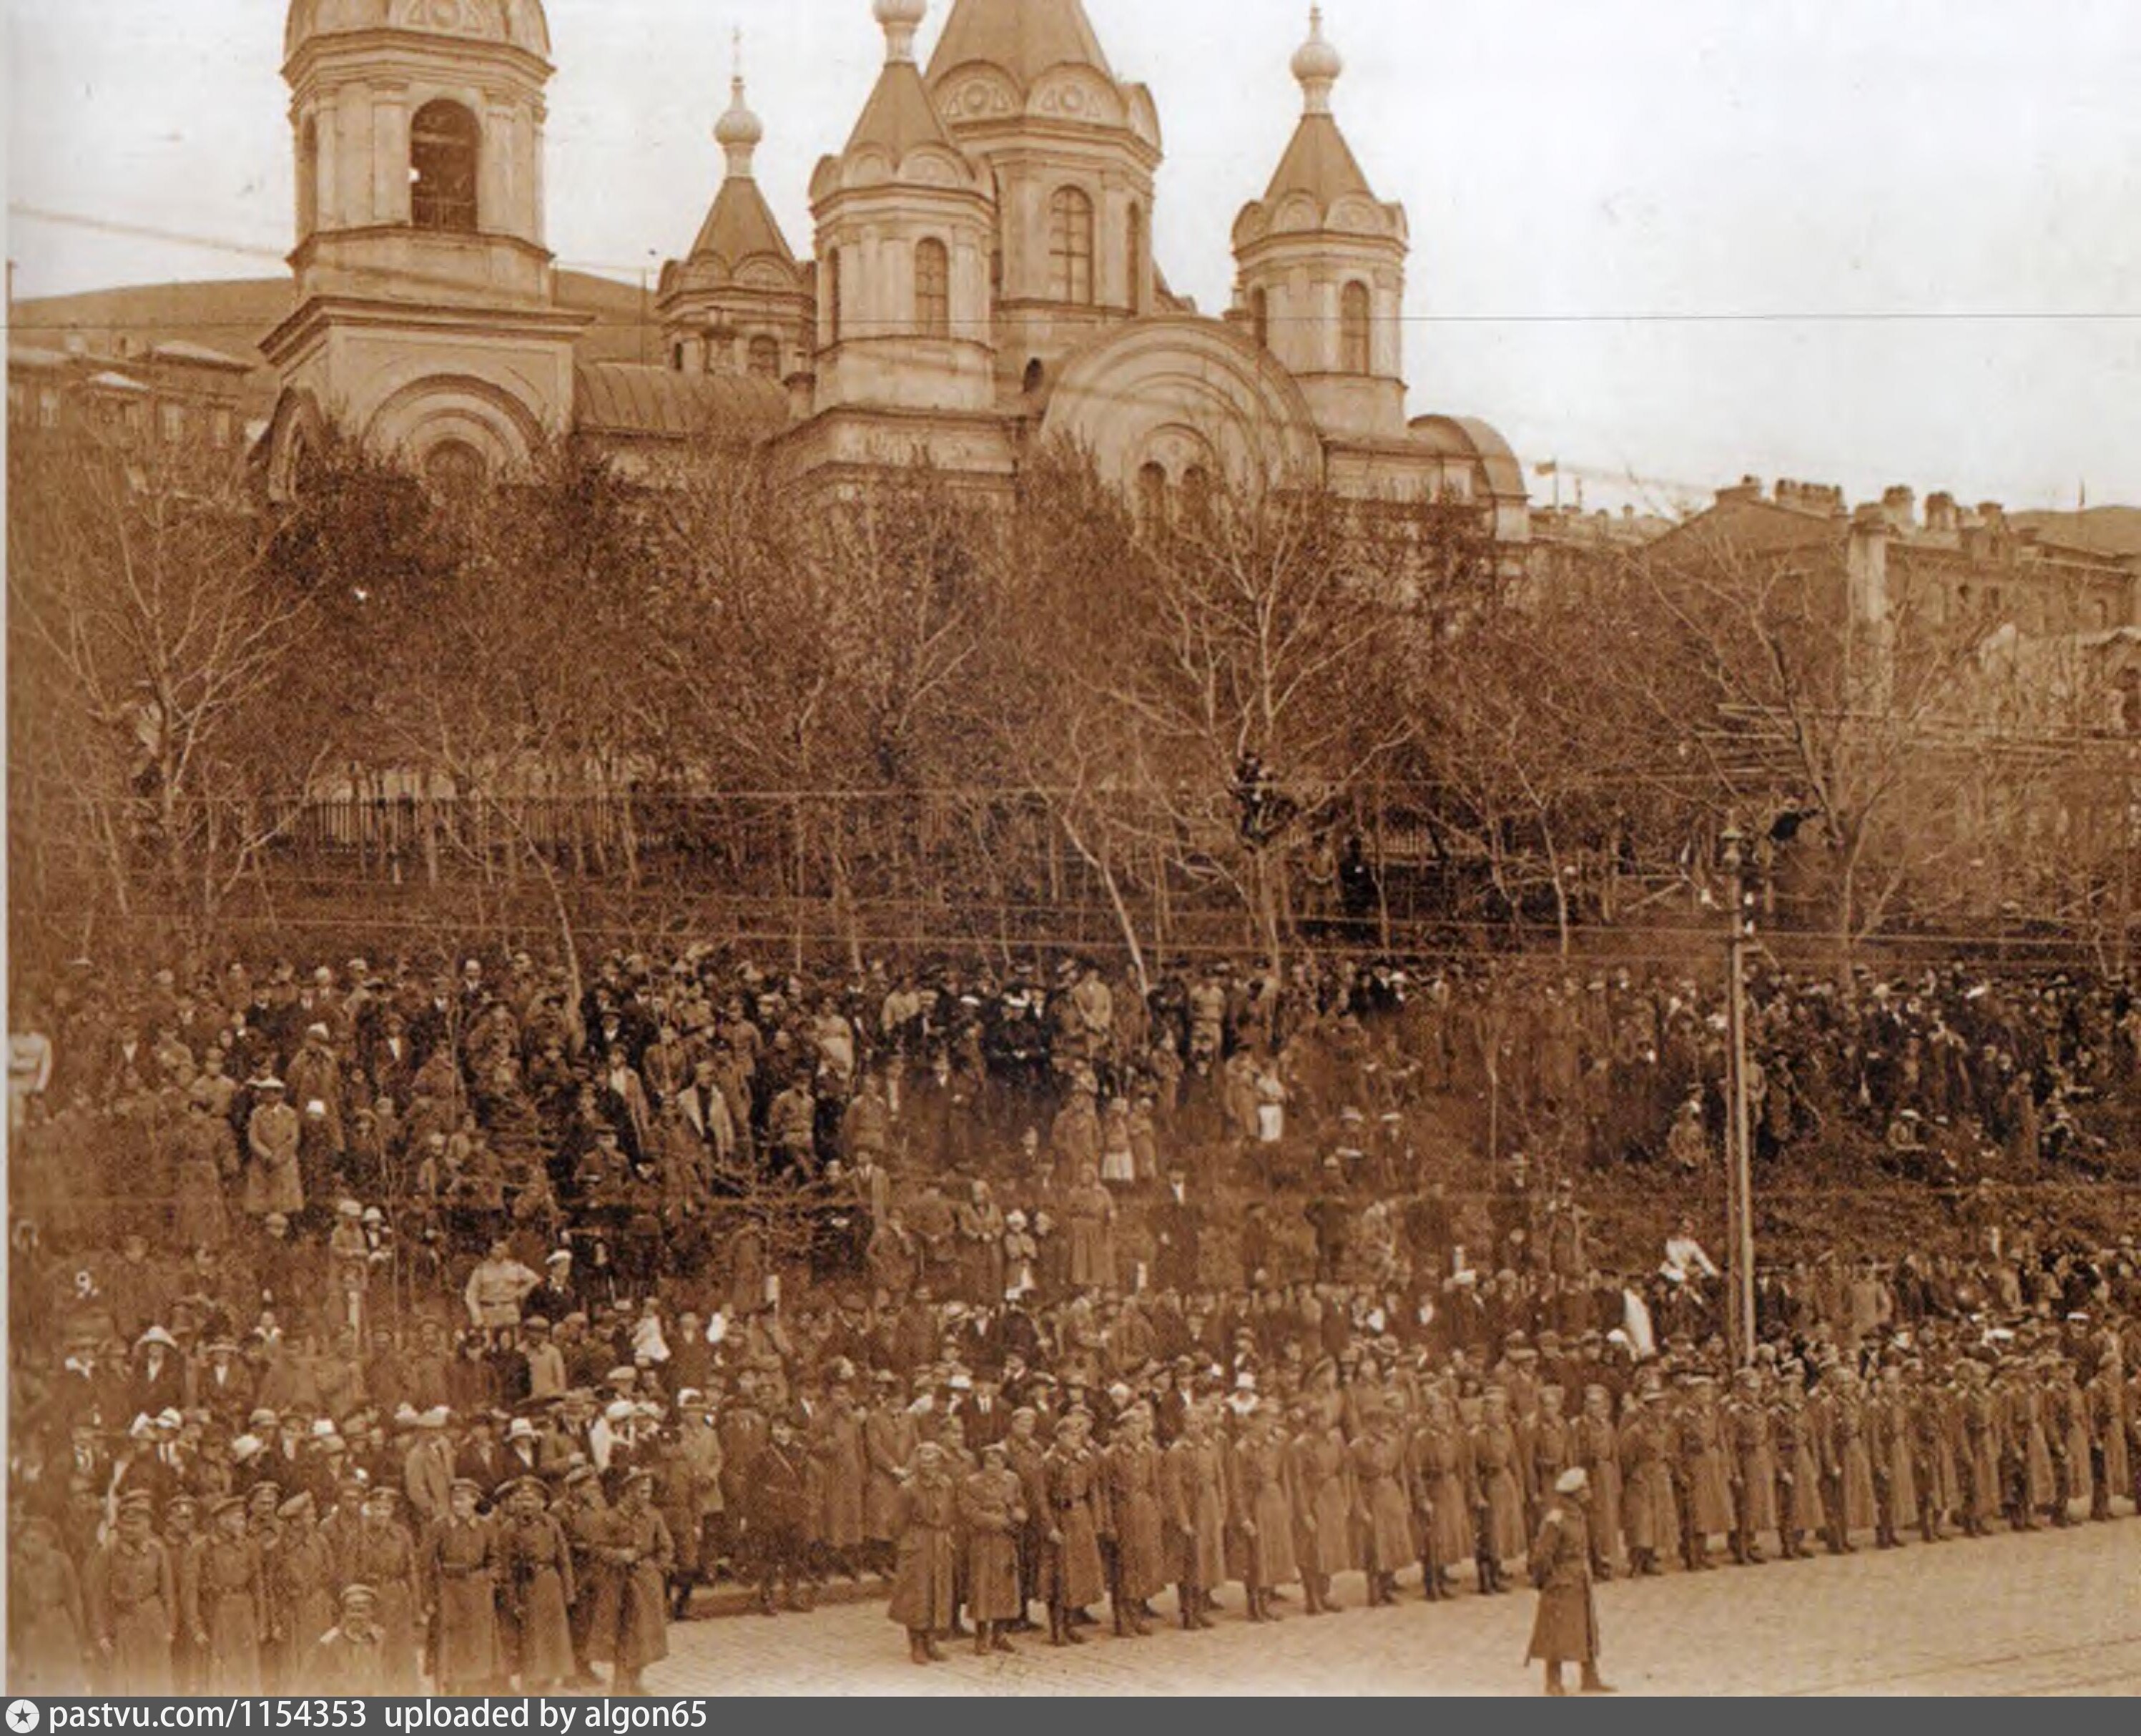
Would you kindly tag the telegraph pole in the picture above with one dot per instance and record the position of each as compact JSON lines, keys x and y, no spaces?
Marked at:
{"x":1739,"y":1138}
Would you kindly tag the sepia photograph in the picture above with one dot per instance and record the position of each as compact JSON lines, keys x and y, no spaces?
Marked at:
{"x":1048,"y":847}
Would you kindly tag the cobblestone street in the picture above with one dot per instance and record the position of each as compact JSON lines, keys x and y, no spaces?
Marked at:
{"x":2049,"y":1613}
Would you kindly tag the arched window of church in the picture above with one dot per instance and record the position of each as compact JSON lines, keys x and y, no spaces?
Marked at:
{"x":444,"y":143}
{"x":1071,"y":246}
{"x":308,"y":177}
{"x":1152,"y":496}
{"x":1354,"y":352}
{"x":933,"y":288}
{"x":1133,"y":253}
{"x":676,"y":357}
{"x":1260,"y":317}
{"x":833,"y":298}
{"x":765,"y":356}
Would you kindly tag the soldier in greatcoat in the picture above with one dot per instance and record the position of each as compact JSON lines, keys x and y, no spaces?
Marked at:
{"x":992,"y":1513}
{"x":1263,"y":1509}
{"x":1027,"y":1456}
{"x":222,"y":1591}
{"x":1891,"y":1449}
{"x":1794,"y":1426}
{"x":1595,"y":1441}
{"x":1131,"y":1526}
{"x":132,"y":1595}
{"x":1323,"y":1509}
{"x":838,"y":1446}
{"x":1700,"y":1471}
{"x":48,"y":1626}
{"x":1075,"y":1577}
{"x":1383,"y":1515}
{"x":383,"y":1556}
{"x":461,"y":1575}
{"x":1500,"y":1491}
{"x":922,"y":1589}
{"x":1193,"y":1498}
{"x":535,"y":1588}
{"x":644,"y":1554}
{"x":302,"y":1601}
{"x":1750,"y":1460}
{"x":1649,"y":1514}
{"x":1443,"y":1494}
{"x":1566,"y":1629}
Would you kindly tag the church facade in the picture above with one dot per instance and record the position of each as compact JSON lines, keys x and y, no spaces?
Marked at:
{"x":981,"y":280}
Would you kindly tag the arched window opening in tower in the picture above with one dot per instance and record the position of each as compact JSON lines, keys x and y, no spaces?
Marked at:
{"x":1260,"y":317}
{"x":1071,"y":246}
{"x":453,"y":468}
{"x":1354,"y":350}
{"x":833,"y":298}
{"x":765,"y":356}
{"x":444,"y":143}
{"x":933,"y":288}
{"x":1152,"y":496}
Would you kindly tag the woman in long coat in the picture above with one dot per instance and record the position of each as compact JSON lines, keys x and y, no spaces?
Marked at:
{"x":1500,"y":1494}
{"x":844,"y":1475}
{"x":1088,"y":1215}
{"x":1263,"y":1511}
{"x":460,"y":1563}
{"x":1385,"y":1514}
{"x":1323,"y":1510}
{"x":1649,"y":1514}
{"x":925,"y":1513}
{"x":992,"y":1514}
{"x":645,"y":1553}
{"x":889,"y":1437}
{"x":1192,"y":1496}
{"x":1131,"y":1520}
{"x":535,"y":1582}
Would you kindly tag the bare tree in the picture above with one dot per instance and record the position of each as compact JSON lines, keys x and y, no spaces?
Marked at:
{"x":155,"y":655}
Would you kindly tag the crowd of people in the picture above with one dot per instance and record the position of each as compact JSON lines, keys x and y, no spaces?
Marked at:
{"x":370,"y":1327}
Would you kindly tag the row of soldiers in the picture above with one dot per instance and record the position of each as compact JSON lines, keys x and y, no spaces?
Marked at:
{"x":524,"y":1584}
{"x":1055,"y":1499}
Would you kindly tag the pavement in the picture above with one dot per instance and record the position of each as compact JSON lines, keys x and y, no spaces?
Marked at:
{"x":2054,"y":1612}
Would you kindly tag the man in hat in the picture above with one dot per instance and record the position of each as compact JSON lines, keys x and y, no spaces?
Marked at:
{"x":383,"y":1556}
{"x":428,"y":1473}
{"x":1565,"y":1628}
{"x":461,"y":1572}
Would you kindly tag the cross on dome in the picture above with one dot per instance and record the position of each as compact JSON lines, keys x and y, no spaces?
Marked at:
{"x":738,"y":131}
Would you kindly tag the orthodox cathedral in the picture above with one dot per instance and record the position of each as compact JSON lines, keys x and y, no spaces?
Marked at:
{"x":981,"y":281}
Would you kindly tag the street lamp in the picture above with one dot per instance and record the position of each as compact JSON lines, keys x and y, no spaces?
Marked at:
{"x":1738,"y":1137}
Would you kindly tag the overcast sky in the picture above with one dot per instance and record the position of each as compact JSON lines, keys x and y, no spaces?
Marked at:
{"x":1864,"y":242}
